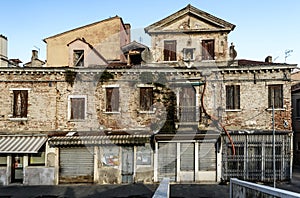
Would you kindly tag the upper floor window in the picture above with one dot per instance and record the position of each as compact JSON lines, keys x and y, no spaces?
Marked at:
{"x":78,"y":58}
{"x":112,"y":99}
{"x":20,"y":103}
{"x":146,"y":98}
{"x":77,"y":107}
{"x":275,"y":96}
{"x":233,"y":97}
{"x":188,"y":54}
{"x":208,"y":50}
{"x":170,"y":51}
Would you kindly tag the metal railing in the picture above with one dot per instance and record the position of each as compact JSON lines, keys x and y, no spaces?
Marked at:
{"x":241,"y":189}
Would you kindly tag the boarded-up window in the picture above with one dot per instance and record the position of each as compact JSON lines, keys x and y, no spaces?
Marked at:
{"x":233,"y":97}
{"x":112,"y":99}
{"x":170,"y":51}
{"x":208,"y":50}
{"x":78,"y":58}
{"x":20,"y":103}
{"x":77,"y":110}
{"x":275,"y":96}
{"x":146,"y":98}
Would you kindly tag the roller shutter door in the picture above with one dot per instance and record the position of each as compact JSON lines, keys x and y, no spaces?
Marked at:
{"x":167,"y":161}
{"x":207,"y":156}
{"x":76,"y":165}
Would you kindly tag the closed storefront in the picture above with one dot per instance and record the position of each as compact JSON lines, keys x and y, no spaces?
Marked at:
{"x":186,"y":160}
{"x":76,"y":165}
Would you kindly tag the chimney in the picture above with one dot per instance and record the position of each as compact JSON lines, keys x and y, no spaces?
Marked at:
{"x":3,"y":51}
{"x":34,"y":55}
{"x":268,"y":59}
{"x":128,"y":31}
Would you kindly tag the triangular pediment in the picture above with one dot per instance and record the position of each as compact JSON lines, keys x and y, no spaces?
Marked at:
{"x":189,"y":19}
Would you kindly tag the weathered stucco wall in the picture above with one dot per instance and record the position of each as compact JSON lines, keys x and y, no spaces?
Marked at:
{"x":39,"y":176}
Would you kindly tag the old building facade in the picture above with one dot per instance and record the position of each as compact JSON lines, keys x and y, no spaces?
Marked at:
{"x":183,"y":108}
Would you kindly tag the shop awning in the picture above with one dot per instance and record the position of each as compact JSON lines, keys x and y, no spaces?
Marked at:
{"x":98,"y":140}
{"x":21,"y":144}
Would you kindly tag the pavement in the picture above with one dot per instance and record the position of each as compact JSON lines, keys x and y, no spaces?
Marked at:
{"x":137,"y":190}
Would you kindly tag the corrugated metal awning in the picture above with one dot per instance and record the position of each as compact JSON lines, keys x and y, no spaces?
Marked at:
{"x":98,"y":140}
{"x":21,"y":144}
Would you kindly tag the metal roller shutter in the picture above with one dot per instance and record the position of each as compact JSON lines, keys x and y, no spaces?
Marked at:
{"x":76,"y":165}
{"x":167,"y":161}
{"x":207,"y":156}
{"x":187,"y":157}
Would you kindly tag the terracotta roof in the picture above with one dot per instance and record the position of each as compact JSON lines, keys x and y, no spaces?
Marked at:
{"x":245,"y":62}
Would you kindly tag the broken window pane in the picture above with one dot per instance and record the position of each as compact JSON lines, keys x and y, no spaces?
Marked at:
{"x":78,"y":58}
{"x":20,"y":103}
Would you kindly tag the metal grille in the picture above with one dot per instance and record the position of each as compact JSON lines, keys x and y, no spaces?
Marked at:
{"x":207,"y":156}
{"x":254,"y":157}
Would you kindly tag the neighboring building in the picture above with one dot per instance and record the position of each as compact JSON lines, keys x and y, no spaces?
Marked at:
{"x":106,"y":36}
{"x":296,"y":114}
{"x":184,"y":108}
{"x":35,"y":61}
{"x":3,"y":51}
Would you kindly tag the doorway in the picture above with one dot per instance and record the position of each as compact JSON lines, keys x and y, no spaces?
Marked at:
{"x":17,"y":169}
{"x":127,"y":164}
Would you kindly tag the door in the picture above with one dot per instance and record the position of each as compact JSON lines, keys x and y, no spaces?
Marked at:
{"x":187,"y":103}
{"x":127,"y":164}
{"x":76,"y":165}
{"x":187,"y":161}
{"x":17,"y":169}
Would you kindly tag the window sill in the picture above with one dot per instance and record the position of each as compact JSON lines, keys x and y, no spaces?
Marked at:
{"x":111,"y":112}
{"x":77,"y":120}
{"x":18,"y":119}
{"x":145,"y":112}
{"x":276,"y":109}
{"x":233,"y":110}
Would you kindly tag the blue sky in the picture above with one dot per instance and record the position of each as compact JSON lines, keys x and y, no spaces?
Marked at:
{"x":263,"y":27}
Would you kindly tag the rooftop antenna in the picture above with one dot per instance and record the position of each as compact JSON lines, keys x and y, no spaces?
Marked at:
{"x":287,"y":54}
{"x":37,"y":48}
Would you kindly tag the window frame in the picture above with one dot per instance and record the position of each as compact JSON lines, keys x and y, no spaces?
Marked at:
{"x":208,"y":49}
{"x":70,"y":97}
{"x":170,"y":50}
{"x":116,"y":109}
{"x":272,"y":95}
{"x":21,"y":117}
{"x":185,"y":53}
{"x":234,"y":102}
{"x":4,"y":158}
{"x":142,"y":109}
{"x":79,"y":59}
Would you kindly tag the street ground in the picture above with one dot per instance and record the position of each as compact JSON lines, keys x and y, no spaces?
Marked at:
{"x":130,"y":190}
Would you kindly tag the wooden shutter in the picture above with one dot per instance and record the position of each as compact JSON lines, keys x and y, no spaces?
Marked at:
{"x":77,"y":108}
{"x":276,"y":95}
{"x":146,"y":98}
{"x":233,"y":97}
{"x":112,"y":99}
{"x":170,"y":51}
{"x":20,"y":103}
{"x":208,"y":49}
